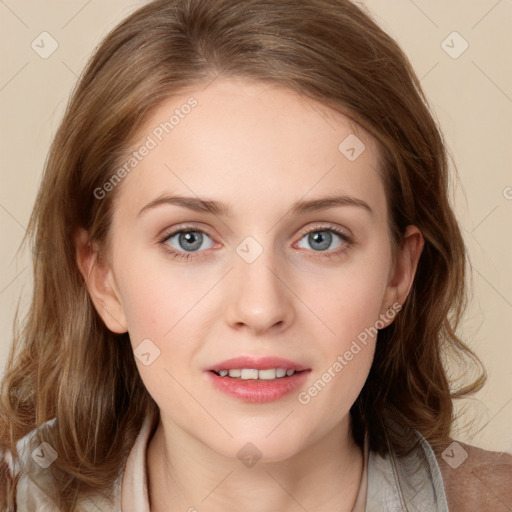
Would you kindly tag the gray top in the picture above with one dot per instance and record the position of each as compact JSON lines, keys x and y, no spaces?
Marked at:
{"x":411,"y":484}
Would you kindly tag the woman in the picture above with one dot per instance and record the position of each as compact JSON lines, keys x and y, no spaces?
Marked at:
{"x":256,"y":369}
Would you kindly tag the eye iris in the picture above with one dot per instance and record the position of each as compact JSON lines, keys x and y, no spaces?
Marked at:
{"x":322,"y":237}
{"x":189,"y":237}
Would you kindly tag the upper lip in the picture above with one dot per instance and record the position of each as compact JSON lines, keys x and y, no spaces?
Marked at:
{"x":257,"y":363}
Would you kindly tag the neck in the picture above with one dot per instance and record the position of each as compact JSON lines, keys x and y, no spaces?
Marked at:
{"x":185,"y":474}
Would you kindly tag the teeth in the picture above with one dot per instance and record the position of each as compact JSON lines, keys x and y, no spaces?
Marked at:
{"x":252,"y":373}
{"x":267,"y":374}
{"x":249,"y":374}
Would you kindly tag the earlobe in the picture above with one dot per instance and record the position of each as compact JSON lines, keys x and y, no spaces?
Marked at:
{"x":100,"y":283}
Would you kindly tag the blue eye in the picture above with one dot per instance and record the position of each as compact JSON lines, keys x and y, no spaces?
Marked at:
{"x":187,"y":240}
{"x":321,"y":239}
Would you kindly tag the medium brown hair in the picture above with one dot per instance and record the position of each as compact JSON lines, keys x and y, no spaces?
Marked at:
{"x":66,"y":364}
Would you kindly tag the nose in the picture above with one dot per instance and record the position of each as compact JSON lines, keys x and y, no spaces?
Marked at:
{"x":260,"y":299}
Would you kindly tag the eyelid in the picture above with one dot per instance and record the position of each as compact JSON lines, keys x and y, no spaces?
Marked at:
{"x":327,"y":227}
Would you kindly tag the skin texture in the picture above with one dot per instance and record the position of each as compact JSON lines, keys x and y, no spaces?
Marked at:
{"x":258,"y":148}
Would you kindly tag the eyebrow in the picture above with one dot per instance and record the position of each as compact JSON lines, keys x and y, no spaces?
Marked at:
{"x":220,"y":209}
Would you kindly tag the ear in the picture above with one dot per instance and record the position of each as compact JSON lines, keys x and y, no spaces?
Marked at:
{"x":403,"y":272}
{"x":100,"y":283}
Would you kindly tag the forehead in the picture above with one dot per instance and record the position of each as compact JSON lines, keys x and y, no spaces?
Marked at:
{"x":250,"y":144}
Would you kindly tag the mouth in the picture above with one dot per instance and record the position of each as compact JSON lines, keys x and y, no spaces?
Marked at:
{"x":257,"y":379}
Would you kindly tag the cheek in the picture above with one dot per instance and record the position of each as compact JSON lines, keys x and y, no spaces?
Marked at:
{"x":162,"y":314}
{"x":348,"y":301}
{"x":157,"y":326}
{"x":351,"y":314}
{"x":154,"y":299}
{"x":345,"y":352}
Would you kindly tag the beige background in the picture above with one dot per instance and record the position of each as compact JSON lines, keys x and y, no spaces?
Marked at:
{"x":471,"y":96}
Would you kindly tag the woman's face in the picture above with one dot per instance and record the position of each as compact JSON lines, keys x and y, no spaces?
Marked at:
{"x":271,"y":273}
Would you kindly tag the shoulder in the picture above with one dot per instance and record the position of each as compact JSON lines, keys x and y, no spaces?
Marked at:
{"x":29,"y":467}
{"x":35,"y":478}
{"x":476,"y":479}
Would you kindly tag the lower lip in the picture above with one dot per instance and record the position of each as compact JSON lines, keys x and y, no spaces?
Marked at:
{"x":258,"y":391}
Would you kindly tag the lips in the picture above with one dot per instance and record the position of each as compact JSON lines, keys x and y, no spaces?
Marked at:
{"x":257,"y":363}
{"x":257,"y":389}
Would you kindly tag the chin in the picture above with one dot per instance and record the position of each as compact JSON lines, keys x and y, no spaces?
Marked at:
{"x":251,"y":448}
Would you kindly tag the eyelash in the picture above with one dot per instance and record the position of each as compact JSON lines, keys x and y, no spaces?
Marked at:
{"x":349,"y":242}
